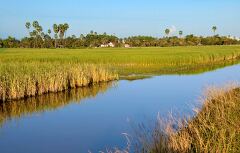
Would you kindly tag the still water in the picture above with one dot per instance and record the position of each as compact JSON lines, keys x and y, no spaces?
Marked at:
{"x":93,"y":119}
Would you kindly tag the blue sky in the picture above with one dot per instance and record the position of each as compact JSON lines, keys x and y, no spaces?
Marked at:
{"x":122,"y":17}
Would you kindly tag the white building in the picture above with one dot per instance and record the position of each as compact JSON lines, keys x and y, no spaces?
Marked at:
{"x":127,"y":46}
{"x":110,"y":44}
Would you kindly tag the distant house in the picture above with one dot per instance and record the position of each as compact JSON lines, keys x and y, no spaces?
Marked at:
{"x":102,"y":46}
{"x":127,"y":46}
{"x":110,"y":44}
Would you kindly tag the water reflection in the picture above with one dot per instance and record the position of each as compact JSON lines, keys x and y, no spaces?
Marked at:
{"x":49,"y":102}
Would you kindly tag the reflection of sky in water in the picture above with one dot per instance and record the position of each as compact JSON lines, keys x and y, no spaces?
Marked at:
{"x":98,"y":122}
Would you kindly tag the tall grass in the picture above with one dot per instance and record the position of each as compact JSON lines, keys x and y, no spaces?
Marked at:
{"x":20,"y":80}
{"x":215,"y":128}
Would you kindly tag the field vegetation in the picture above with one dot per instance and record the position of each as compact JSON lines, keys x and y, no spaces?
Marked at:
{"x":30,"y":72}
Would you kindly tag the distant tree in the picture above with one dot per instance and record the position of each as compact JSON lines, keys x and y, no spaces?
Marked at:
{"x":66,"y":27}
{"x":167,"y":32}
{"x":180,"y":33}
{"x":74,"y":36}
{"x":214,"y":29}
{"x":61,"y":30}
{"x":55,"y":30}
{"x":81,"y":37}
{"x":28,"y":26}
{"x":35,"y":24}
{"x":49,"y":32}
{"x":91,"y":32}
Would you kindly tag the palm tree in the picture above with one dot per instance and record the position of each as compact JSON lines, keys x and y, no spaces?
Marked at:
{"x":167,"y":31}
{"x":35,"y":32}
{"x":49,"y":32}
{"x":28,"y":26}
{"x":214,"y":29}
{"x":61,"y":30}
{"x":39,"y":29}
{"x":66,"y":27}
{"x":56,"y":30}
{"x":35,"y":24}
{"x":180,"y":33}
{"x":91,"y":32}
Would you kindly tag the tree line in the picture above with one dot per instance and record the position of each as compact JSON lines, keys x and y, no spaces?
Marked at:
{"x":39,"y":39}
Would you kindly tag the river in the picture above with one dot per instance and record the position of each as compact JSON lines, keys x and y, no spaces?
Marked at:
{"x":94,"y":118}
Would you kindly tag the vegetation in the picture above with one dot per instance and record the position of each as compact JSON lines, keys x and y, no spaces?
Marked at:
{"x":215,"y":128}
{"x":39,"y":39}
{"x":20,"y":80}
{"x":170,"y":60}
{"x":30,"y":72}
{"x":48,"y":102}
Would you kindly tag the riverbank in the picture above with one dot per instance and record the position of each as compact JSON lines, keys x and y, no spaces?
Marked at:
{"x":215,"y":128}
{"x":30,"y":72}
{"x":27,"y":79}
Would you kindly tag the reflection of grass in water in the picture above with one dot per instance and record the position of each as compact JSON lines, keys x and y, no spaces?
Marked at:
{"x":48,"y":102}
{"x":135,"y":77}
{"x":141,"y":74}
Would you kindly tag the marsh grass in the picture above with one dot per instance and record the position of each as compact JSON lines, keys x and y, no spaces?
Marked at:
{"x":215,"y":128}
{"x":22,"y":80}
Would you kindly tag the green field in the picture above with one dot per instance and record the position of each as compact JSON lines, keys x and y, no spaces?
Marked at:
{"x":29,"y":72}
{"x":130,"y":61}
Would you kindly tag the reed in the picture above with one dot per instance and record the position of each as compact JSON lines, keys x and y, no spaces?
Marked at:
{"x":21,"y":80}
{"x":215,"y":128}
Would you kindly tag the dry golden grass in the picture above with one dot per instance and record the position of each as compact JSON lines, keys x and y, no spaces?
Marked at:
{"x":214,"y":129}
{"x":21,"y":80}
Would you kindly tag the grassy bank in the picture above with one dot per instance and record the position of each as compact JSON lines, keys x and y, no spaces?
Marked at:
{"x":29,"y":72}
{"x":26,"y":79}
{"x":215,"y":128}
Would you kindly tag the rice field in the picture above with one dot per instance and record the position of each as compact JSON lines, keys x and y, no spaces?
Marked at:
{"x":30,"y":72}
